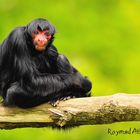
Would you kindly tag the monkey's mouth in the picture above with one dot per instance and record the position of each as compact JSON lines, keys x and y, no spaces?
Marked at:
{"x":40,"y":46}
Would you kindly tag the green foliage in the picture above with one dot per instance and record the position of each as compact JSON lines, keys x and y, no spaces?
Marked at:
{"x":100,"y":37}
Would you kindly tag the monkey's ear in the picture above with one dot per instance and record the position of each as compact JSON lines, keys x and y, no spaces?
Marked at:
{"x":56,"y":31}
{"x":28,"y":31}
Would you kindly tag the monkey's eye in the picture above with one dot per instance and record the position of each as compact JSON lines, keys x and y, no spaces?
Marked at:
{"x":36,"y":32}
{"x":47,"y":33}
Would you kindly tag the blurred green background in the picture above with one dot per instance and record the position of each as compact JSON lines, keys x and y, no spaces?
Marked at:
{"x":100,"y":37}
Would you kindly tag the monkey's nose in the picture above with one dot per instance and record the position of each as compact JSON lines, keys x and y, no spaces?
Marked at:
{"x":42,"y":40}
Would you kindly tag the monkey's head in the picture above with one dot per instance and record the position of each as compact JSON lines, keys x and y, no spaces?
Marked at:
{"x":42,"y":33}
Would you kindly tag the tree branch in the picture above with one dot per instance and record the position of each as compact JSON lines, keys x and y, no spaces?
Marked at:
{"x":74,"y":112}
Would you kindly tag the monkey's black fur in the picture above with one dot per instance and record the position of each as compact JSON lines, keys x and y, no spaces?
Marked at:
{"x":29,"y":77}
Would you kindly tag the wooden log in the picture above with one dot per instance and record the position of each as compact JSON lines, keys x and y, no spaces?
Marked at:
{"x":74,"y":112}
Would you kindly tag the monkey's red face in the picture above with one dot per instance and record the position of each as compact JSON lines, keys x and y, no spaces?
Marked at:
{"x":41,"y":39}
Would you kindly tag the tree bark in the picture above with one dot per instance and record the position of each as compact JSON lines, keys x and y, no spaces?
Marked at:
{"x":74,"y":112}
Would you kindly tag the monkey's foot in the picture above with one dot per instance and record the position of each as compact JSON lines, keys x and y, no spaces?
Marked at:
{"x":56,"y":102}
